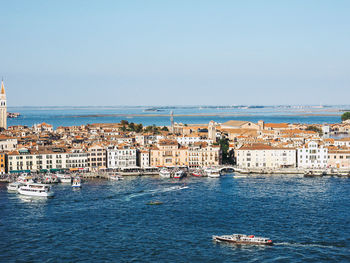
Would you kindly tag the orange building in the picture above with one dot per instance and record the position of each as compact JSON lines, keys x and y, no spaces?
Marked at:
{"x":3,"y":166}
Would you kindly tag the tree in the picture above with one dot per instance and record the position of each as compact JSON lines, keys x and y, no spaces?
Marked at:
{"x":345,"y":116}
{"x":315,"y":129}
{"x":138,"y":127}
{"x":165,"y":128}
{"x":124,"y":122}
{"x":227,"y":157}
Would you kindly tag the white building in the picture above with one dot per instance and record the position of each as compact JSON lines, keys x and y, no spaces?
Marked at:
{"x":342,"y":142}
{"x":265,"y":156}
{"x":7,"y":143}
{"x":312,"y":155}
{"x":144,"y":158}
{"x":121,"y":156}
{"x":77,"y":159}
{"x":188,"y":140}
{"x":23,"y":159}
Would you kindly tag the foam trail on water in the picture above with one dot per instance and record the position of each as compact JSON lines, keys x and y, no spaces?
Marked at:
{"x":301,"y":245}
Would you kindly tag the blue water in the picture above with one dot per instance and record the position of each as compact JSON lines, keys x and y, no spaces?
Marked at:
{"x":68,"y":116}
{"x":307,"y":218}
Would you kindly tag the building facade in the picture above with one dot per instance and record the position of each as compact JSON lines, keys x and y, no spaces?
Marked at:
{"x":312,"y":155}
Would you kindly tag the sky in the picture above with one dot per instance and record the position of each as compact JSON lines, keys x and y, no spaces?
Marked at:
{"x":150,"y":52}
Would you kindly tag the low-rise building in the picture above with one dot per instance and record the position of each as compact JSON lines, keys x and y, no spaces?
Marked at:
{"x":313,"y":155}
{"x":121,"y":156}
{"x":265,"y":156}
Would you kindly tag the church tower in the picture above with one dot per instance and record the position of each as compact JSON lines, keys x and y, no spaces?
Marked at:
{"x":3,"y":107}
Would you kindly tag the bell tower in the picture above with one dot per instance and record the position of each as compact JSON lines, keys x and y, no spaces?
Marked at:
{"x":3,"y":107}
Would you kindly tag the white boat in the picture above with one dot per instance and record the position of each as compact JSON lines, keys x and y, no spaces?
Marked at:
{"x":76,"y":182}
{"x":164,"y":173}
{"x":179,"y":174}
{"x":13,"y":187}
{"x":237,"y":176}
{"x":115,"y":177}
{"x":36,"y":190}
{"x":64,"y":178}
{"x":25,"y":178}
{"x":244,"y":239}
{"x":212,"y":172}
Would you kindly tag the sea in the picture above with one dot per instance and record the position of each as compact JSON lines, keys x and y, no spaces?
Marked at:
{"x":68,"y":116}
{"x":308,"y":219}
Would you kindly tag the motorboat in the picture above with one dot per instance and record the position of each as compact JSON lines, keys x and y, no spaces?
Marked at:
{"x":115,"y":177}
{"x":197,"y":173}
{"x":243,"y":239}
{"x":155,"y":203}
{"x":34,"y":189}
{"x":212,"y":172}
{"x":64,"y":178}
{"x":179,"y":174}
{"x":13,"y":187}
{"x":164,"y":173}
{"x":76,"y":182}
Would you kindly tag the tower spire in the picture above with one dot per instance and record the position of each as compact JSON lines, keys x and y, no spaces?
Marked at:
{"x":2,"y":86}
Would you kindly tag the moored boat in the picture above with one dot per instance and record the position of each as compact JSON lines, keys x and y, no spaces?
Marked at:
{"x":34,"y":189}
{"x":115,"y":177}
{"x":64,"y":178}
{"x":243,"y":239}
{"x":164,"y":173}
{"x":179,"y":174}
{"x":197,"y":173}
{"x":212,"y":172}
{"x":13,"y":187}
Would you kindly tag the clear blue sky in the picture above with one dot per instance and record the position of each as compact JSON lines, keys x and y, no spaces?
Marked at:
{"x":175,"y":52}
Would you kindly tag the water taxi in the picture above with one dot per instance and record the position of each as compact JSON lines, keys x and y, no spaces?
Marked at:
{"x":36,"y":190}
{"x":76,"y":182}
{"x":243,"y":239}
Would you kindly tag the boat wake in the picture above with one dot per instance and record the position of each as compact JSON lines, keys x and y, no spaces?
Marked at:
{"x":303,"y":245}
{"x":156,"y":191}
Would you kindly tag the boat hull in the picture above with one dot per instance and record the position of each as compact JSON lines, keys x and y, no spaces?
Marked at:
{"x":242,"y":242}
{"x":43,"y":194}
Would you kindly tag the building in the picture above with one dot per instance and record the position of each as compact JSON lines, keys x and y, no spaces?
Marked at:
{"x":203,"y":155}
{"x":3,"y":107}
{"x":77,"y":159}
{"x":168,"y":153}
{"x":313,"y":155}
{"x":42,"y":127}
{"x":97,"y":157}
{"x":3,"y":163}
{"x":339,"y":159}
{"x":265,"y":156}
{"x":7,"y":143}
{"x":121,"y":156}
{"x":144,"y":158}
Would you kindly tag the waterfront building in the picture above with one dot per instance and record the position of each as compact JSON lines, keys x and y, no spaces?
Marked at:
{"x":144,"y":158}
{"x":3,"y":163}
{"x":168,"y":153}
{"x":3,"y":107}
{"x":339,"y":158}
{"x":120,"y":156}
{"x":202,"y":154}
{"x":77,"y":159}
{"x":313,"y":155}
{"x":36,"y":160}
{"x":97,"y":157}
{"x":265,"y":156}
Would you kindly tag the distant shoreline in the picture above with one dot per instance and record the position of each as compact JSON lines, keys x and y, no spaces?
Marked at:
{"x":197,"y":115}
